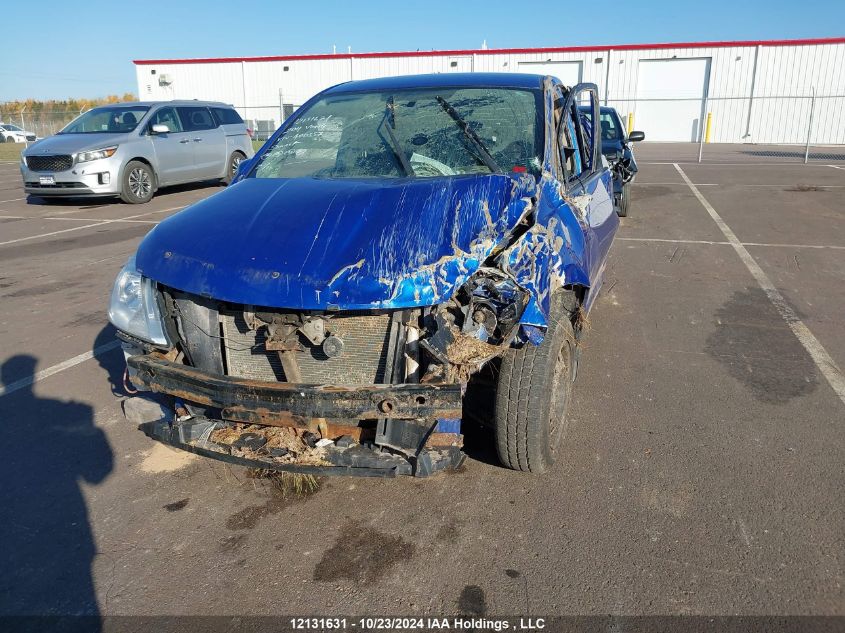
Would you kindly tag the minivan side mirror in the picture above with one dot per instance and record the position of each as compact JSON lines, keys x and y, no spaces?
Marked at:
{"x":636,"y":136}
{"x":159,"y":128}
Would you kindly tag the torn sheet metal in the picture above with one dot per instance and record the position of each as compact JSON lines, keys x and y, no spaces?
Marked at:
{"x":392,"y":243}
{"x":336,"y":244}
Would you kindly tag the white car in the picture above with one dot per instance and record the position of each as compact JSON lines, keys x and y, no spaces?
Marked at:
{"x":13,"y":134}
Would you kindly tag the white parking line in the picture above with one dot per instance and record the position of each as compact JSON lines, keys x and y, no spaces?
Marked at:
{"x":55,"y":369}
{"x":84,"y":226}
{"x":677,"y":184}
{"x":674,"y":241}
{"x":821,"y":246}
{"x":786,"y":187}
{"x":837,"y":166}
{"x":75,"y":228}
{"x":814,"y":348}
{"x":671,"y":241}
{"x":718,"y":164}
{"x":12,"y":200}
{"x":96,"y":219}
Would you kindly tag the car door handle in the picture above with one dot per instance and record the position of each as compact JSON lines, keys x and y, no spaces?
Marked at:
{"x":197,"y":140}
{"x":185,"y":140}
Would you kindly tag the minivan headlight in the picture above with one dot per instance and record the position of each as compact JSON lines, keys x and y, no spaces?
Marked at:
{"x":95,"y":154}
{"x":133,"y":308}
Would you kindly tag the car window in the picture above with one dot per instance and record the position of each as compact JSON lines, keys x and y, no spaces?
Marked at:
{"x":195,"y":119}
{"x":568,"y":143}
{"x":226,"y":116}
{"x":168,"y":117}
{"x":12,"y":128}
{"x":584,"y":109}
{"x":114,"y":119}
{"x":610,"y":131}
{"x":586,"y":139}
{"x":409,"y":133}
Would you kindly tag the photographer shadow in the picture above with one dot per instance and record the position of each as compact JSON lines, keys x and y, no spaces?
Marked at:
{"x":51,"y":447}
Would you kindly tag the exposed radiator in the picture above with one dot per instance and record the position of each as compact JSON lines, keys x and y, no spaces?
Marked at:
{"x":365,"y":347}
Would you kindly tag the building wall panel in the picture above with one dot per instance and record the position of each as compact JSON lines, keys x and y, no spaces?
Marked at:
{"x":771,"y":104}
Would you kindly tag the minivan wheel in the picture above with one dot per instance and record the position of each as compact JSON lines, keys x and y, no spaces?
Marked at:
{"x":234,"y":162}
{"x":533,"y":392}
{"x":138,"y":183}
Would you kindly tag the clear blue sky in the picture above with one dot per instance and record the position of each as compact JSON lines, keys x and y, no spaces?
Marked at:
{"x":61,"y":48}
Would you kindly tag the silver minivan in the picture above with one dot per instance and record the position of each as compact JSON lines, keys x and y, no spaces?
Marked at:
{"x":132,"y":149}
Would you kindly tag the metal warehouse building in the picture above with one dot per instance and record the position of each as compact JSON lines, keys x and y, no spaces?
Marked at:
{"x":751,"y":91}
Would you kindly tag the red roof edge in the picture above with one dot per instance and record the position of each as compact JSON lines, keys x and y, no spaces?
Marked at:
{"x":495,"y":51}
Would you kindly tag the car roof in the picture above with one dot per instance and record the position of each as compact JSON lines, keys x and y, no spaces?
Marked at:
{"x":451,"y":80}
{"x":175,"y":102}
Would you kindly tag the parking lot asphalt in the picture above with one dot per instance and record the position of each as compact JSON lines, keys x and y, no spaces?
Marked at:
{"x":702,"y":471}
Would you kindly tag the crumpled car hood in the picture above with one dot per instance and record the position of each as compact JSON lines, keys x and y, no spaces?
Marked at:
{"x":345,"y":244}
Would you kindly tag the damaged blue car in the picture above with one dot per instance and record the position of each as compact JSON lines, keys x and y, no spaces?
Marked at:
{"x":326,"y":312}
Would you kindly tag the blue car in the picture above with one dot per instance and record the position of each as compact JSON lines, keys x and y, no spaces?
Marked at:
{"x":616,"y":147}
{"x":326,"y":312}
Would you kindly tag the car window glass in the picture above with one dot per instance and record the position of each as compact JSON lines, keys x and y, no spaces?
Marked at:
{"x":112,"y":119}
{"x":168,"y":117}
{"x":570,"y":154}
{"x":586,"y":139}
{"x":609,"y":130}
{"x":371,"y":135}
{"x":227,"y":116}
{"x":195,"y":119}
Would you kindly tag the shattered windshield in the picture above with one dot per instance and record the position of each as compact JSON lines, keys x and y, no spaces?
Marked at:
{"x":411,"y":133}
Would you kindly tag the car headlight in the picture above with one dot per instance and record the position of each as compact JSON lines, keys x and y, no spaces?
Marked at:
{"x":133,"y":308}
{"x":96,"y":154}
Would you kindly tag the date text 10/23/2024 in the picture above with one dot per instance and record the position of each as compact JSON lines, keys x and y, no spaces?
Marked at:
{"x":409,"y":624}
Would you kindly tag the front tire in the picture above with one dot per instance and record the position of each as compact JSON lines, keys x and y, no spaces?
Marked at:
{"x":624,"y":199}
{"x":138,"y":183}
{"x":533,"y":393}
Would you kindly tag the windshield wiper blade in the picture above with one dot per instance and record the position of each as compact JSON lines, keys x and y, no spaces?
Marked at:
{"x":486,"y":158}
{"x":390,"y":119}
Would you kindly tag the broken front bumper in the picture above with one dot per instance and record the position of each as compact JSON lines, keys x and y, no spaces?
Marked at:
{"x":394,"y":429}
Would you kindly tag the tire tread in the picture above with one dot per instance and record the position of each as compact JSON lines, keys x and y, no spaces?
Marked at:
{"x":522,"y":397}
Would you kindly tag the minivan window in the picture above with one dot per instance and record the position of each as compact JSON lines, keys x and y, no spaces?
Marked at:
{"x":195,"y":119}
{"x":227,"y":116}
{"x":410,"y":133}
{"x":107,"y":119}
{"x":168,"y":117}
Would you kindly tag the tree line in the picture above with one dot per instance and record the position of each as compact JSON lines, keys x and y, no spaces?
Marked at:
{"x":36,"y":106}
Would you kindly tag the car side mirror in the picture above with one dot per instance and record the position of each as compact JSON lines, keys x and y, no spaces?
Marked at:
{"x":243,"y":168}
{"x":636,"y":136}
{"x":159,"y":128}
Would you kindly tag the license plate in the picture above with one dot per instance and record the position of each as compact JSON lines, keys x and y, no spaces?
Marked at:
{"x":46,"y":180}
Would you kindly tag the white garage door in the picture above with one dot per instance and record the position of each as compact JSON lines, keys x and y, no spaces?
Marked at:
{"x":568,"y":72}
{"x":670,"y":95}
